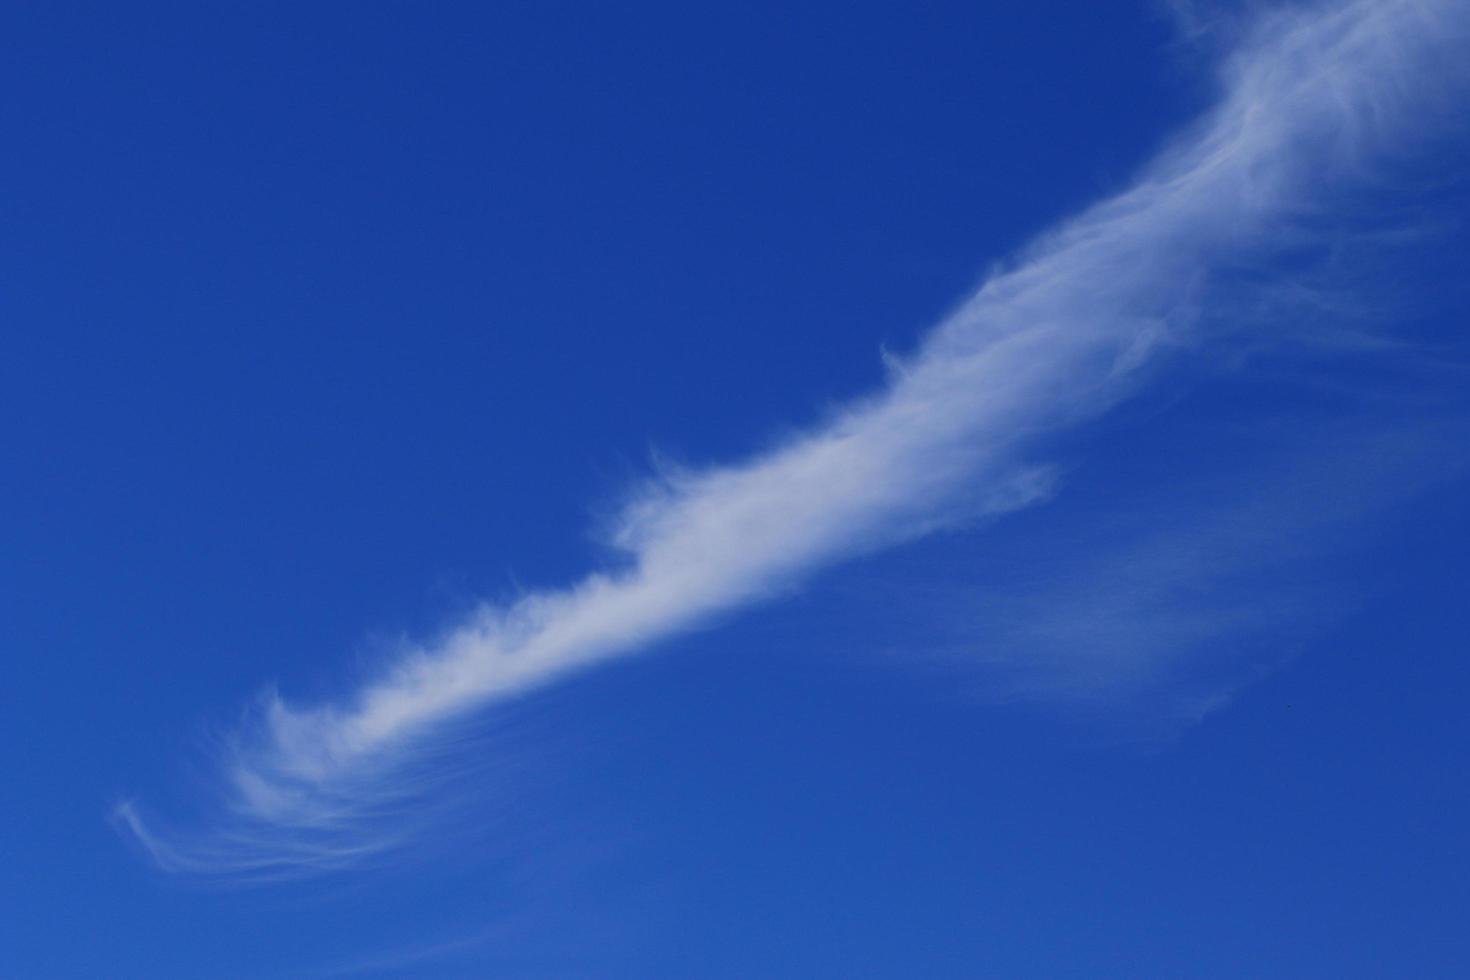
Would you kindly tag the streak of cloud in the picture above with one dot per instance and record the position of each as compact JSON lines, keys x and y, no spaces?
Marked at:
{"x":1309,"y":99}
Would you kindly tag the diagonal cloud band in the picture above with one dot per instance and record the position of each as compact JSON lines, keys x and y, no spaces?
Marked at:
{"x":1308,"y":98}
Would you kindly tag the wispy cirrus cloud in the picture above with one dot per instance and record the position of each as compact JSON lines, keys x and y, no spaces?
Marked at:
{"x":1158,"y":601}
{"x":1309,"y":98}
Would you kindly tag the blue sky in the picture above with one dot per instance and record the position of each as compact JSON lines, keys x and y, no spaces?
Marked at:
{"x":561,"y":490}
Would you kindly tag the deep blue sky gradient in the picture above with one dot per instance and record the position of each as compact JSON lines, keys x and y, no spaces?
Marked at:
{"x":323,"y":321}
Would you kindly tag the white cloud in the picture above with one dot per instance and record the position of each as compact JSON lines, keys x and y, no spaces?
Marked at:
{"x":1307,"y":101}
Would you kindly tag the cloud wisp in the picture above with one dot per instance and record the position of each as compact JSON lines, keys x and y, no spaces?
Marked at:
{"x":1309,"y":99}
